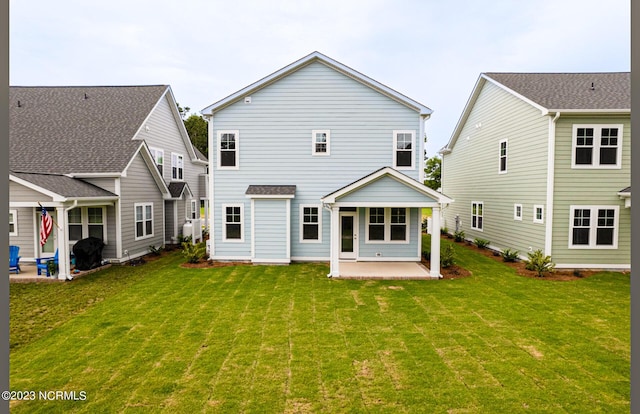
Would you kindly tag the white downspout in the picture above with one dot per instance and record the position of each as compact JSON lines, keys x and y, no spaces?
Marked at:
{"x":63,"y":248}
{"x":551,"y":152}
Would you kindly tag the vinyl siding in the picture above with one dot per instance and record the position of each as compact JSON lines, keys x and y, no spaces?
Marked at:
{"x":139,"y":187}
{"x":589,"y":187}
{"x":108,"y":184}
{"x":471,"y":171}
{"x":270,"y":230}
{"x":169,"y":221}
{"x":20,"y":193}
{"x":25,"y":238}
{"x":275,"y":145}
{"x":383,"y":190}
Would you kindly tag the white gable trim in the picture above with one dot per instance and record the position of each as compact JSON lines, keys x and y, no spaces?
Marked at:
{"x":318,"y":57}
{"x":55,"y":196}
{"x":143,"y":150}
{"x":475,"y":93}
{"x":363,"y":182}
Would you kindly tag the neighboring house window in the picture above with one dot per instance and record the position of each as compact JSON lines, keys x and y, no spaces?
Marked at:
{"x":233,"y":222}
{"x":87,"y":222}
{"x":477,"y":215}
{"x":594,"y":227}
{"x":321,"y":140}
{"x":228,"y":142}
{"x":144,"y":220}
{"x":158,"y":158}
{"x":310,"y":223}
{"x":597,"y":146}
{"x":503,"y":156}
{"x":517,"y":212}
{"x":538,"y":214}
{"x":194,"y":210}
{"x":177,"y":166}
{"x":403,"y":147}
{"x":386,"y":225}
{"x":13,"y":222}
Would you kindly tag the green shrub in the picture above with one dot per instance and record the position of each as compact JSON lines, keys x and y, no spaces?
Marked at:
{"x":539,"y":263}
{"x":458,"y":235}
{"x":481,"y":243}
{"x":447,"y":256}
{"x":509,"y":255}
{"x":444,"y":230}
{"x":194,"y":252}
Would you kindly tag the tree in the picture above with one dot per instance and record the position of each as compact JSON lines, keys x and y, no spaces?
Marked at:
{"x":183,"y":111}
{"x":198,"y":132}
{"x":433,"y":172}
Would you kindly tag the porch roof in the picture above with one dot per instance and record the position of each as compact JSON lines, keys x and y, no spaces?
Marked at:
{"x":61,"y":187}
{"x":389,"y":187}
{"x":277,"y":191}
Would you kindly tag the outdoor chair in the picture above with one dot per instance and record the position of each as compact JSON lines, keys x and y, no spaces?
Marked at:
{"x":42,"y":263}
{"x":14,"y":259}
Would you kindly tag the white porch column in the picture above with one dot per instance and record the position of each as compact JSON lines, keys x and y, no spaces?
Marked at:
{"x":435,"y":242}
{"x":63,"y":243}
{"x":335,"y":242}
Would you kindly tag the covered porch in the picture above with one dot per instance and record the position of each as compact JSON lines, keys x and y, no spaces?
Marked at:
{"x":376,"y":227}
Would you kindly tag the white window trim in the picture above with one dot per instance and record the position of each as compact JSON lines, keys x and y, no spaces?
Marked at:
{"x":477,"y":215}
{"x":302,"y":207}
{"x":154,"y":153}
{"x":595,"y":160}
{"x":224,"y":223}
{"x":194,"y":211}
{"x":14,"y":214}
{"x":535,"y":216}
{"x":387,"y":227}
{"x":144,"y":219}
{"x":313,"y":142}
{"x":175,"y":156}
{"x":219,"y":149}
{"x":594,"y":226}
{"x":413,"y":149}
{"x":506,"y":156}
{"x":515,"y":212}
{"x":84,"y":222}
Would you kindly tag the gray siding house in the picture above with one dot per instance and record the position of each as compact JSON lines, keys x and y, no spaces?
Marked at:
{"x":318,"y":162}
{"x":111,"y":162}
{"x":543,"y":161}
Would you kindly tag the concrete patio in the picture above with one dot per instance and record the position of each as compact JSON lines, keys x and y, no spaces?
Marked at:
{"x":384,"y":270}
{"x":29,"y":274}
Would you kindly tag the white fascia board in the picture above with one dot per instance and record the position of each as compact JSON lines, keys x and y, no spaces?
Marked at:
{"x":317,"y":56}
{"x":541,"y":108}
{"x":54,"y":196}
{"x":622,"y":111}
{"x":441,"y":198}
{"x":95,"y":175}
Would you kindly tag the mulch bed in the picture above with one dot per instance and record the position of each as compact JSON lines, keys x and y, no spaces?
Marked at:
{"x":456,"y":272}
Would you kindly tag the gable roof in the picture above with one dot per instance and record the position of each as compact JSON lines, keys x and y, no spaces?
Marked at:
{"x":597,"y":93}
{"x":318,"y":57}
{"x":386,"y":172}
{"x":77,"y":129}
{"x":570,"y":91}
{"x":177,"y":188}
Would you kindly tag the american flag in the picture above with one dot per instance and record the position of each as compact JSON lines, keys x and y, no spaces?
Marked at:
{"x":46,"y":225}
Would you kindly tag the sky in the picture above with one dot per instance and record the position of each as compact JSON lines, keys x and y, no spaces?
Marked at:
{"x":431,"y":50}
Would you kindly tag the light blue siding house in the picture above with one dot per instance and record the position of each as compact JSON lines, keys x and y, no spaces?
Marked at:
{"x":318,"y":162}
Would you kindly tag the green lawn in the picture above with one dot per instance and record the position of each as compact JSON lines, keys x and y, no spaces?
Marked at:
{"x":279,"y":339}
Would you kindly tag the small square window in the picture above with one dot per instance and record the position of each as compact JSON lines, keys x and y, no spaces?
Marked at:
{"x":517,"y":212}
{"x":320,"y":141}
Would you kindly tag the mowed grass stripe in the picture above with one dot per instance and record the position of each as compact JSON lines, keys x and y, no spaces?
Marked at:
{"x":287,"y":339}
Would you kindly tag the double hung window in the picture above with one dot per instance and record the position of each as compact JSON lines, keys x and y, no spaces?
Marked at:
{"x":597,"y":146}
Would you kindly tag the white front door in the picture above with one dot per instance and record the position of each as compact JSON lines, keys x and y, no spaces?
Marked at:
{"x":348,"y":235}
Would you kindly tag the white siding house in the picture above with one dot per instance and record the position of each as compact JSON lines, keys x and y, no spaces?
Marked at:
{"x":317,"y":162}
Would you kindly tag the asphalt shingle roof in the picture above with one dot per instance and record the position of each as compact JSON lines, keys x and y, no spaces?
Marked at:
{"x":275,"y":190}
{"x":571,"y":90}
{"x":65,"y":186}
{"x":77,"y":129}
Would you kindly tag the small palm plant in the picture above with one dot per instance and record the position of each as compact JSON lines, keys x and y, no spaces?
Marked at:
{"x":539,"y":263}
